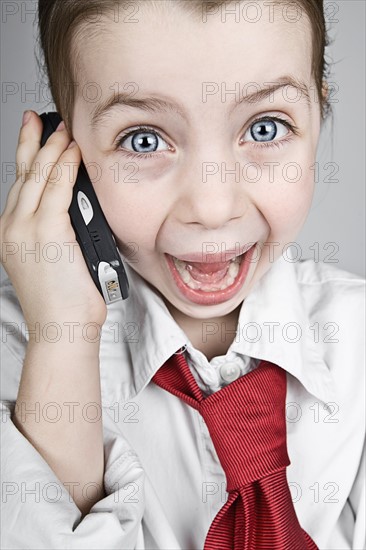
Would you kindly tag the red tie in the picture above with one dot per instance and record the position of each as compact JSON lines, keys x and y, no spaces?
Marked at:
{"x":246,"y":422}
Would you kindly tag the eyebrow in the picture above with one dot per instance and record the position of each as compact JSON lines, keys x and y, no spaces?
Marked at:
{"x":159,"y":105}
{"x":273,"y":86}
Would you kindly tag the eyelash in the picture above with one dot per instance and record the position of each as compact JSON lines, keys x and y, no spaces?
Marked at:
{"x":279,"y":142}
{"x":256,"y":144}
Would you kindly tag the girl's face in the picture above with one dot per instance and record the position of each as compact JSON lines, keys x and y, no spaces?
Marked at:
{"x":230,"y":121}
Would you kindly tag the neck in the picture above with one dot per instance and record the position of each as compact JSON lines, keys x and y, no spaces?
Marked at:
{"x":210,"y":336}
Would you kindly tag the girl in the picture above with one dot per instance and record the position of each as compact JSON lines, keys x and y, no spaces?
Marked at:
{"x":199,"y":130}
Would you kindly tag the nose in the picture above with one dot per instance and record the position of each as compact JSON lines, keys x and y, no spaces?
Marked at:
{"x":211,"y":193}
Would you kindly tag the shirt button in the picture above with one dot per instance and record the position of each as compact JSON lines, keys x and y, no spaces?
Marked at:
{"x":230,"y":371}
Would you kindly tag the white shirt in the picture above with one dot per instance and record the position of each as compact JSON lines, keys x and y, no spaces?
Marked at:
{"x":163,"y":480}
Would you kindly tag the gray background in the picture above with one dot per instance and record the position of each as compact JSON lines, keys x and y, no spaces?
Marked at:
{"x":335,"y":228}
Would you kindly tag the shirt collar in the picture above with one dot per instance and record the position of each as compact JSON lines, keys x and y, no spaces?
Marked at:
{"x":291,"y":343}
{"x":140,"y":334}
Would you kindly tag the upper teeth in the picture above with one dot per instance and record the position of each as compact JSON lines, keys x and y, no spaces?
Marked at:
{"x":227,"y":281}
{"x":183,"y":263}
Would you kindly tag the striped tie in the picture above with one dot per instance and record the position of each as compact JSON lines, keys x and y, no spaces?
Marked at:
{"x":247,"y":424}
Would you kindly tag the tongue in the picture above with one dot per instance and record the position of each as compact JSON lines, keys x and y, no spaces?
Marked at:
{"x":208,"y":273}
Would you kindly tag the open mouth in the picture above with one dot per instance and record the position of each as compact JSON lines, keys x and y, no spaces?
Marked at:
{"x":210,"y":283}
{"x":209,"y":277}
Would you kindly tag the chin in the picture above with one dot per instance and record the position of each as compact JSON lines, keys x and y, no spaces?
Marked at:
{"x":198,"y":311}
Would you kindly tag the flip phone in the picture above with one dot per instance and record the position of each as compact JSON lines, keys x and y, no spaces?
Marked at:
{"x":92,"y":231}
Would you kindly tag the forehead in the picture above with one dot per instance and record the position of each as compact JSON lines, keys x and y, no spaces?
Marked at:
{"x":168,"y":49}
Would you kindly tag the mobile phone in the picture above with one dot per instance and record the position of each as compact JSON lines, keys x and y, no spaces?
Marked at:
{"x":92,"y":231}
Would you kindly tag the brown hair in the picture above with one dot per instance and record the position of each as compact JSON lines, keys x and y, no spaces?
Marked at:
{"x":62,"y":22}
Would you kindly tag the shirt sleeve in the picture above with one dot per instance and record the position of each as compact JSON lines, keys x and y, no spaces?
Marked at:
{"x":37,"y":509}
{"x":38,"y":512}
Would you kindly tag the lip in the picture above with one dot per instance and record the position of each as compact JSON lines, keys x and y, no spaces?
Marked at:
{"x":210,"y":258}
{"x":217,"y":296}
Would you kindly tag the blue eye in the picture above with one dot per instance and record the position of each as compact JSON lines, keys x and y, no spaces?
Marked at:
{"x":146,"y":141}
{"x":263,"y":131}
{"x":266,"y":130}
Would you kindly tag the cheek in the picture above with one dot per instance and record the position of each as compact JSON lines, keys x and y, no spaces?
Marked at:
{"x":286,"y":195}
{"x":130,"y":216}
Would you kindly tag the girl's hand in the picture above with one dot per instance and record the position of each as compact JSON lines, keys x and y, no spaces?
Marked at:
{"x":39,"y":250}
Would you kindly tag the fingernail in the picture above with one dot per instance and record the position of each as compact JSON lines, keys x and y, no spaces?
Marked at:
{"x":61,"y":126}
{"x":26,"y":117}
{"x":72,"y":144}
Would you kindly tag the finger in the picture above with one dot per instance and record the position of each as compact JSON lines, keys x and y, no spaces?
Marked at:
{"x":27,"y":149}
{"x":57,"y":194}
{"x":29,"y":143}
{"x":12,"y":198}
{"x":32,"y":189}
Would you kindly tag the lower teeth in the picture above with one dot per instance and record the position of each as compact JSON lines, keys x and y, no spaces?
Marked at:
{"x":196,"y":285}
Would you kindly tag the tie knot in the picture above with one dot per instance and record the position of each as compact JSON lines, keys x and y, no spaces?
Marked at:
{"x":246,"y":419}
{"x":247,"y":425}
